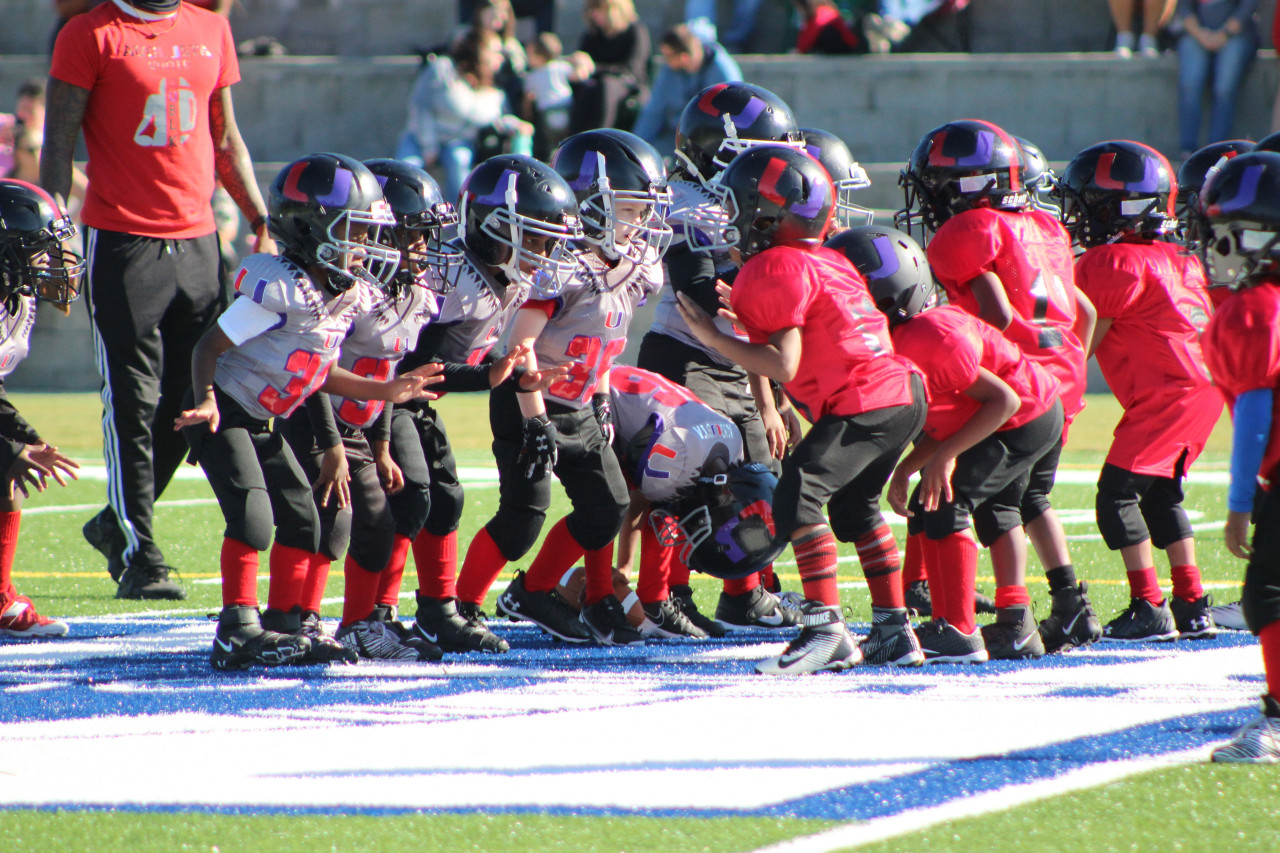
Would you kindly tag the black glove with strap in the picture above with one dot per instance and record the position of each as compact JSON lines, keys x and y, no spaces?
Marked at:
{"x":537,"y":447}
{"x":602,"y":408}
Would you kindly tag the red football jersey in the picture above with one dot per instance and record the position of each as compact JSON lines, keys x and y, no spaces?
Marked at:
{"x":1031,"y":253}
{"x":1242,"y":350}
{"x":146,"y":125}
{"x":847,"y":364}
{"x":1155,"y":296}
{"x":949,"y":345}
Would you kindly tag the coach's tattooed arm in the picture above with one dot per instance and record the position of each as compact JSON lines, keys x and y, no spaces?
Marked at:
{"x":235,"y":168}
{"x":64,"y":111}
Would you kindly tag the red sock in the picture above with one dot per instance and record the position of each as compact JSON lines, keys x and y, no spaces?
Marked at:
{"x":9,"y":522}
{"x":361,"y":593}
{"x":679,"y":574}
{"x":913,"y":560}
{"x":1144,"y":584}
{"x":653,"y":584}
{"x":288,"y":577}
{"x":954,"y":560}
{"x":1269,"y":639}
{"x":239,"y":574}
{"x":599,"y":574}
{"x":878,"y":553}
{"x":557,"y":555}
{"x":437,"y":560}
{"x":390,"y":577}
{"x":1012,"y":596}
{"x":740,"y":586}
{"x":483,"y":564}
{"x":1186,"y":582}
{"x":767,"y":577}
{"x":317,"y":580}
{"x":816,"y":558}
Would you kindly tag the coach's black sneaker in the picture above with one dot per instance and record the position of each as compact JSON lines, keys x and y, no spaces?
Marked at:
{"x":388,"y":615}
{"x":547,"y":610}
{"x":241,"y":642}
{"x":891,"y":640}
{"x":755,"y":609}
{"x":682,"y":597}
{"x":824,"y":644}
{"x":1014,"y":635}
{"x":1143,"y":622}
{"x":943,"y":642}
{"x":1194,"y":619}
{"x":1072,"y":621}
{"x":149,"y":583}
{"x":103,"y":533}
{"x":324,"y":648}
{"x":982,"y":603}
{"x":607,"y":622}
{"x":439,"y":622}
{"x":919,"y":602}
{"x":665,"y":620}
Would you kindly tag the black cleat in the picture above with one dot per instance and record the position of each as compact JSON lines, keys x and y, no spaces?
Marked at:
{"x":1142,"y":622}
{"x":388,"y":615}
{"x":824,"y":644}
{"x":241,"y":642}
{"x":682,"y":597}
{"x":439,"y":622}
{"x":943,"y":642}
{"x":891,"y":640}
{"x":1194,"y":619}
{"x":665,"y":620}
{"x":919,"y":602}
{"x":1072,"y":621}
{"x":547,"y":610}
{"x":608,"y":623}
{"x":755,"y":609}
{"x":324,"y":648}
{"x":1014,"y":635}
{"x":103,"y":533}
{"x":149,"y":583}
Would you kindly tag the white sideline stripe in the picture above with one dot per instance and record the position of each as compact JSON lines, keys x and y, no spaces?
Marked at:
{"x":1003,"y":799}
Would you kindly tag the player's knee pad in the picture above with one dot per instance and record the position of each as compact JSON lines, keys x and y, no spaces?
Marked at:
{"x":371,"y":545}
{"x":993,"y":520}
{"x":1260,"y":602}
{"x":516,"y":531}
{"x":335,"y":532}
{"x":1034,"y":505}
{"x":1166,"y":519}
{"x":1119,"y":517}
{"x":445,"y":511}
{"x":298,"y":520}
{"x":595,"y":529}
{"x":410,"y":508}
{"x":250,"y":521}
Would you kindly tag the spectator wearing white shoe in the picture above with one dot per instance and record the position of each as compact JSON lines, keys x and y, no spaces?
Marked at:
{"x":1155,"y":14}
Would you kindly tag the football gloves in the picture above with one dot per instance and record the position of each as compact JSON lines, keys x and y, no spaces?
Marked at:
{"x":603,"y":410}
{"x":537,"y":447}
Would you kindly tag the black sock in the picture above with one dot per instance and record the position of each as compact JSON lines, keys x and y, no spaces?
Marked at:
{"x":1063,"y":577}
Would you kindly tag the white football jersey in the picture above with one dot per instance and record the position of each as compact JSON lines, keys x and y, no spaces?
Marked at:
{"x":15,"y":332}
{"x":686,"y":431}
{"x":587,"y":323}
{"x":287,"y":333}
{"x":475,"y":313}
{"x":375,"y":344}
{"x":695,"y":213}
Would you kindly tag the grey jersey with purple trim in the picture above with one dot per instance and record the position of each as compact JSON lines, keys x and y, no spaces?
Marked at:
{"x":15,"y":332}
{"x":587,"y":323}
{"x":686,"y":432}
{"x":378,"y":339}
{"x":476,"y":312}
{"x":694,"y":213}
{"x":271,"y":373}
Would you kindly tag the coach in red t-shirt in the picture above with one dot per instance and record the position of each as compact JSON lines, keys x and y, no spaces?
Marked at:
{"x":149,"y":83}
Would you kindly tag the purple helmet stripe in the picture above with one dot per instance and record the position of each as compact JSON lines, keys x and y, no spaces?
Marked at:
{"x":985,"y":142}
{"x":499,"y":194}
{"x":587,"y":172}
{"x":889,"y":263}
{"x":341,"y":191}
{"x":1246,"y":192}
{"x":750,"y":112}
{"x":724,"y":537}
{"x":817,"y":198}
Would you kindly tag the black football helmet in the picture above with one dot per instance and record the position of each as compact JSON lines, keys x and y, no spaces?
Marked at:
{"x":846,"y":174}
{"x":1116,"y":188}
{"x":509,"y":198}
{"x":726,"y":119}
{"x":776,"y":195}
{"x":1240,"y":210}
{"x":958,"y":166}
{"x":33,"y":259}
{"x":894,"y":266}
{"x":1037,"y":178}
{"x":723,"y":524}
{"x":1191,"y":177}
{"x":605,"y":167}
{"x":315,"y":204}
{"x":1268,"y":143}
{"x":421,"y":211}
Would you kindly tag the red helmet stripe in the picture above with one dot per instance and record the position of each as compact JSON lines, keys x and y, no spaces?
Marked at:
{"x":290,"y":188}
{"x":769,"y":180}
{"x":704,"y":103}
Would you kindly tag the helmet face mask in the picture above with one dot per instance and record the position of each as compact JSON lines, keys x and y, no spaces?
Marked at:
{"x":846,"y":174}
{"x":1239,"y":214}
{"x":328,"y":211}
{"x":775,"y":195}
{"x":1192,"y":176}
{"x":518,"y":215}
{"x":727,"y":119}
{"x":34,"y":260}
{"x":422,"y":216}
{"x":1037,"y":178}
{"x":1117,"y":188}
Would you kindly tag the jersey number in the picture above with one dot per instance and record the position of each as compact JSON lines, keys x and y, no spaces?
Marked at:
{"x":304,"y":366}
{"x":360,"y":413}
{"x":593,"y":354}
{"x":1048,"y":292}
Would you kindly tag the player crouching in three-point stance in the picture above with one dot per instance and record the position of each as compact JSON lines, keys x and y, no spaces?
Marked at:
{"x":1240,"y":209}
{"x":813,"y":327}
{"x":33,"y":265}
{"x":269,"y":351}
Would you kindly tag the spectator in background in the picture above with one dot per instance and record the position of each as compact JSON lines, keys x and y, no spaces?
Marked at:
{"x":68,"y":9}
{"x":617,"y":43}
{"x":548,"y":93}
{"x":825,"y":29}
{"x":28,"y":110}
{"x":1217,"y":40}
{"x":690,"y":65}
{"x":498,"y":17}
{"x":543,"y":13}
{"x":744,"y":21}
{"x":453,"y":100}
{"x":1155,"y":14}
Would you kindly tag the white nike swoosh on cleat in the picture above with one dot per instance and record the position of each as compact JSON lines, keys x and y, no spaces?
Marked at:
{"x":1067,"y":630}
{"x":1019,"y":645}
{"x":431,"y":638}
{"x":226,"y":647}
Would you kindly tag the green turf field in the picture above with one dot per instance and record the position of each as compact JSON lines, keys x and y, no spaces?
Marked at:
{"x":1182,"y":808}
